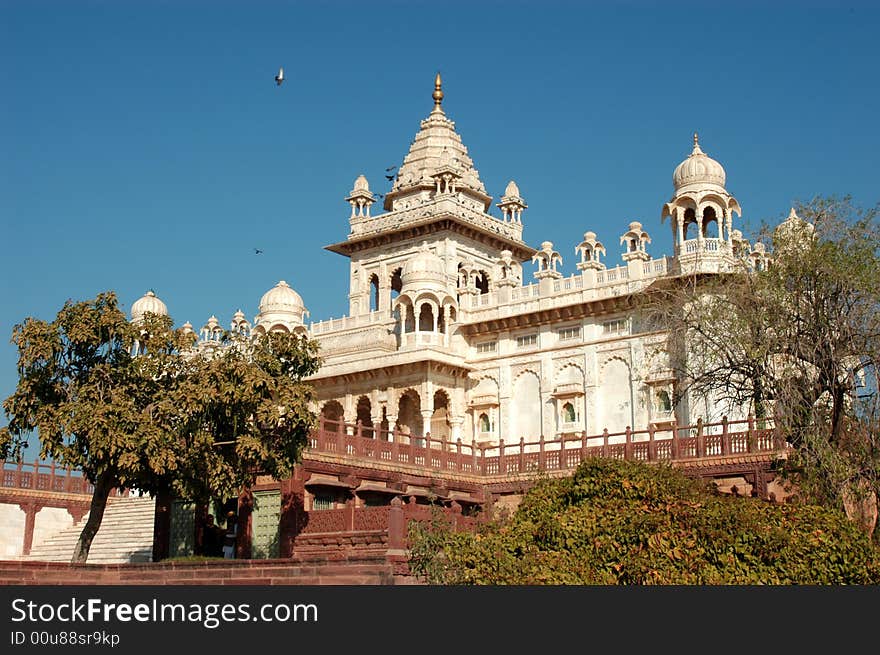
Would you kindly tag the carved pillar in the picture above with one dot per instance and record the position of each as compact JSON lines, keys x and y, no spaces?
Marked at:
{"x":455,"y":423}
{"x":679,"y":224}
{"x":427,"y":415}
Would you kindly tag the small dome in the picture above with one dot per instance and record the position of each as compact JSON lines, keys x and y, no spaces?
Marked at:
{"x":635,"y":226}
{"x":792,"y":230}
{"x":187,"y":328}
{"x":361,"y":184}
{"x":212,"y":323}
{"x":511,"y":189}
{"x":424,"y":265}
{"x":281,"y":298}
{"x":239,"y":316}
{"x":698,"y":168}
{"x":148,"y":303}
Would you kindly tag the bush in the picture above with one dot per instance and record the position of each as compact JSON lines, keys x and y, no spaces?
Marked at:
{"x":616,"y":522}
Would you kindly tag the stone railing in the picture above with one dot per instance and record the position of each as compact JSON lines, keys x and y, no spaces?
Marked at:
{"x":394,"y":448}
{"x":349,"y":322}
{"x":42,"y":476}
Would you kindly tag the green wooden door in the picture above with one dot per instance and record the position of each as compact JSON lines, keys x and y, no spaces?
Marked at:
{"x":182,"y":538}
{"x":264,"y":520}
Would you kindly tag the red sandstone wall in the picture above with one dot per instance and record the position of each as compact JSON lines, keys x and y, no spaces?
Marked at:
{"x":351,"y":571}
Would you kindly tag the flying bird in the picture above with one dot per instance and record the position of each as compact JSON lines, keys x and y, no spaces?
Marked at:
{"x":389,"y":177}
{"x":390,"y":168}
{"x":257,"y":251}
{"x":280,"y":77}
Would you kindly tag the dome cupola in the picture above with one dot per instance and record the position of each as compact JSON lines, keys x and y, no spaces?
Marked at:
{"x":698,"y":168}
{"x":424,"y":266}
{"x":281,"y":305}
{"x":148,"y":303}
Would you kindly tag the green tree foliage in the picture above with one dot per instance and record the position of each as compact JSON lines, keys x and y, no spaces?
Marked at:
{"x":135,"y":406}
{"x":622,"y":523}
{"x":797,"y":340}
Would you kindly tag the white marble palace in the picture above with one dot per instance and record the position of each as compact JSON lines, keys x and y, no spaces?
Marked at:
{"x":449,"y":329}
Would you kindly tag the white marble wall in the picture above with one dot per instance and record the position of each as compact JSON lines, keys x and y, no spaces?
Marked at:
{"x":12,"y":519}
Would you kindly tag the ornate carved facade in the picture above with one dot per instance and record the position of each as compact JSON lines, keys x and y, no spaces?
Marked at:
{"x":445,"y":334}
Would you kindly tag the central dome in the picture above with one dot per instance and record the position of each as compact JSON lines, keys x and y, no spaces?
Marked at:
{"x":699,"y":168}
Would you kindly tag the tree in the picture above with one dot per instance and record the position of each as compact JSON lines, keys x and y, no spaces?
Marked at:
{"x":135,"y":406}
{"x":795,"y":340}
{"x":241,"y":412}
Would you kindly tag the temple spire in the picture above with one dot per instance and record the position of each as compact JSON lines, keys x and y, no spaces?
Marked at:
{"x":438,"y":92}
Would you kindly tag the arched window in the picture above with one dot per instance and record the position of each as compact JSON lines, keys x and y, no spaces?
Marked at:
{"x":396,"y":283}
{"x":426,"y":318}
{"x":708,"y":217}
{"x":482,"y":282}
{"x":568,"y":413}
{"x":374,"y":292}
{"x":664,"y":404}
{"x":485,"y":426}
{"x":364,"y":415}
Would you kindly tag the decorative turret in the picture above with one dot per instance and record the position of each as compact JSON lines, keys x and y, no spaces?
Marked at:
{"x":699,"y":200}
{"x":507,"y":271}
{"x":424,"y":303}
{"x":211,"y":331}
{"x":512,"y":205}
{"x":758,"y":258}
{"x":590,"y":250}
{"x":281,"y":308}
{"x":635,"y":239}
{"x":437,"y":163}
{"x":360,"y":198}
{"x":547,"y":259}
{"x":240,"y":324}
{"x":793,"y":232}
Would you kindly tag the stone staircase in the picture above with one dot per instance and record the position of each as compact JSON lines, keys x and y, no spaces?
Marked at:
{"x":125,"y":535}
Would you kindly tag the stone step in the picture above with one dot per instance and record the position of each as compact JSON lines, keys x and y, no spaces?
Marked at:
{"x":125,"y":535}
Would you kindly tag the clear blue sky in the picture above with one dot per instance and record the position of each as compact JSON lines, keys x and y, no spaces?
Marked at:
{"x":146,"y":145}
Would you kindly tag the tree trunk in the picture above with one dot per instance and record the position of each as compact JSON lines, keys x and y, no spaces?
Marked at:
{"x":103,"y":487}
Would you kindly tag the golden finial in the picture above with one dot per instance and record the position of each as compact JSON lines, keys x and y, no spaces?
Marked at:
{"x":696,"y":139}
{"x":438,"y":91}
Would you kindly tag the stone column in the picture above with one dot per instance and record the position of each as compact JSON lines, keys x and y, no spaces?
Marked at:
{"x":455,"y":424}
{"x":426,"y":420}
{"x":30,"y":514}
{"x":392,"y":422}
{"x":679,"y":224}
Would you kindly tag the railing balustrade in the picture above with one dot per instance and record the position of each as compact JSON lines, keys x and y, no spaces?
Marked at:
{"x":565,"y":452}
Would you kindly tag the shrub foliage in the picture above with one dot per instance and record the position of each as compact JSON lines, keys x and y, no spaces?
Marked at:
{"x":617,"y":523}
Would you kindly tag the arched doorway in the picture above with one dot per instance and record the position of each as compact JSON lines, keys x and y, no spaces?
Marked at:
{"x":333,"y":415}
{"x":365,"y":416}
{"x":409,"y":414}
{"x":440,"y":428}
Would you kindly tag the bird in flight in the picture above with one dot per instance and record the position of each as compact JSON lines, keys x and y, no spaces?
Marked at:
{"x":389,"y":177}
{"x":280,"y":77}
{"x":257,"y":251}
{"x":390,"y":168}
